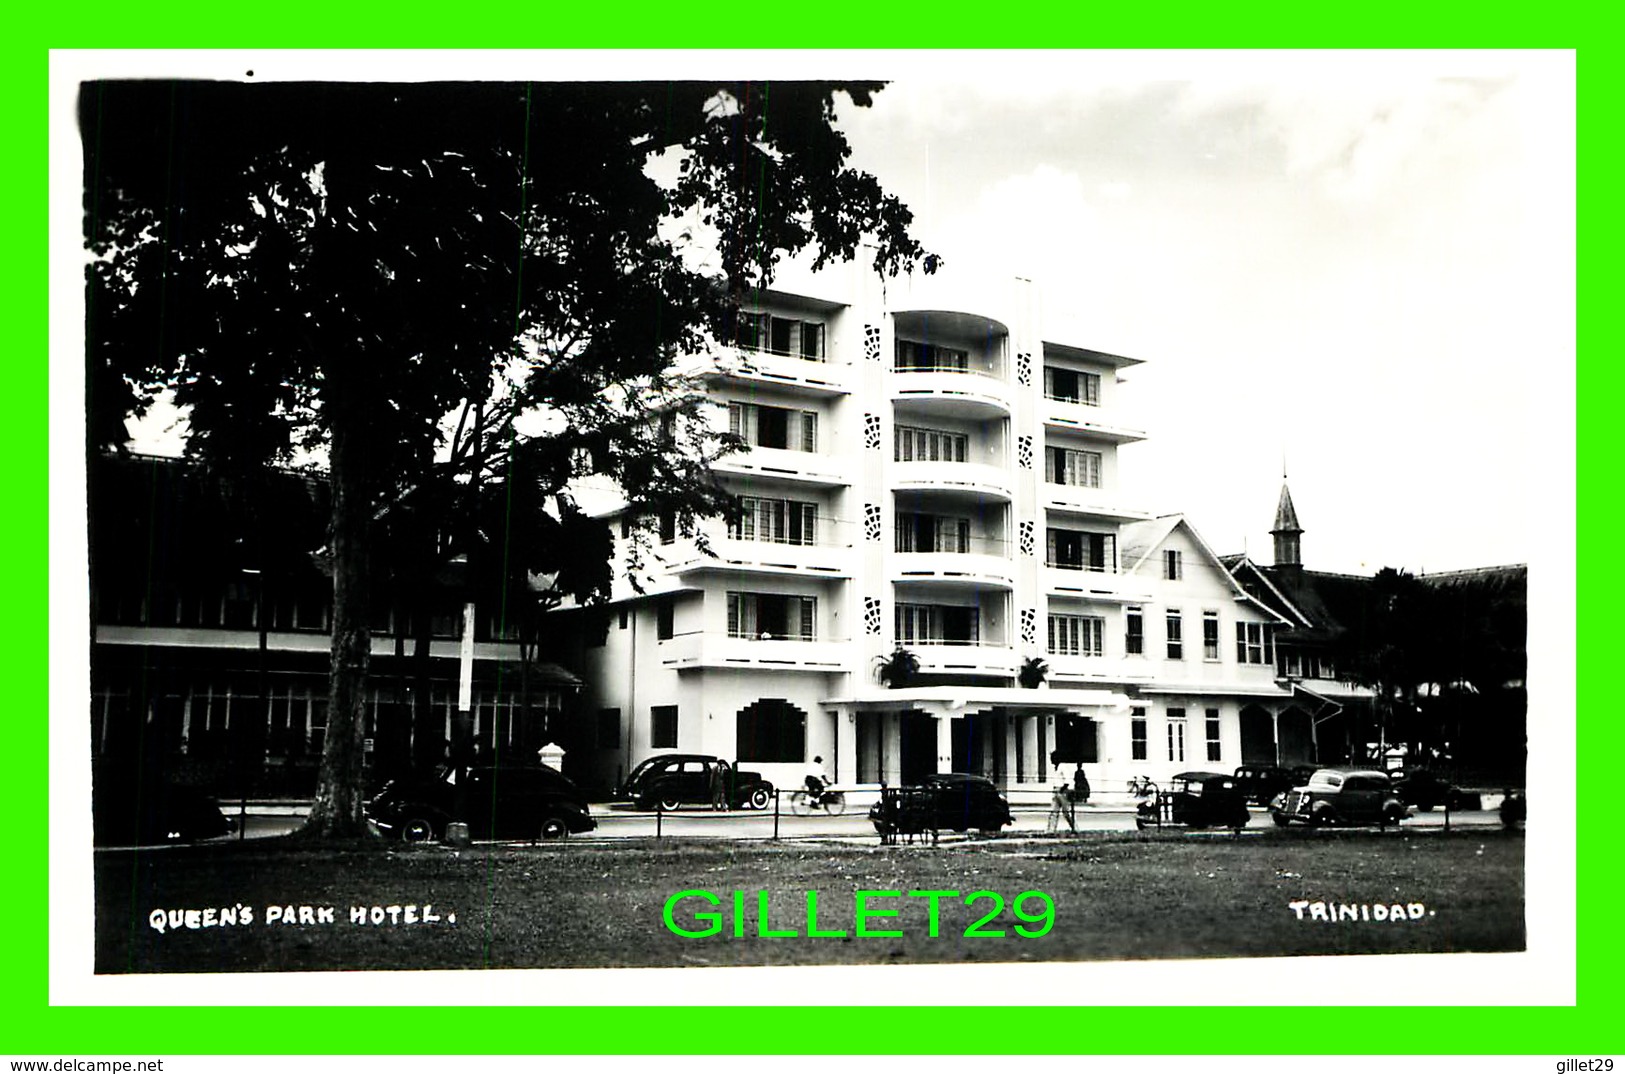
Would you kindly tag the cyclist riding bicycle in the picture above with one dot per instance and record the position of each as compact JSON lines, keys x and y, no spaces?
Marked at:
{"x":817,"y":781}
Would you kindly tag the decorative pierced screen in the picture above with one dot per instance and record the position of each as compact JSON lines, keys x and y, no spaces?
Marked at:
{"x":871,"y":615}
{"x":1024,"y":368}
{"x":1024,"y":452}
{"x":1029,"y":626}
{"x":1026,"y":530}
{"x":871,"y":522}
{"x":871,"y":432}
{"x":871,"y":343}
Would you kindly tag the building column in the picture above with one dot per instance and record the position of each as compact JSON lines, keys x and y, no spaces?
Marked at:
{"x":1011,"y":723}
{"x":1035,"y":768}
{"x":891,"y":748}
{"x":945,"y":743}
{"x":845,"y":724}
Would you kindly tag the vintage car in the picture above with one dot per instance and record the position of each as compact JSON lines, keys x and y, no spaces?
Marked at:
{"x":668,"y":780}
{"x":1426,"y":791}
{"x":1342,"y":797}
{"x":946,"y":801}
{"x":129,"y":811}
{"x":520,"y":802}
{"x":1261,"y":782}
{"x":1196,"y":800}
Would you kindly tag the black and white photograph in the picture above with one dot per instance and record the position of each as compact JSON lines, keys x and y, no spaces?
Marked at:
{"x":1064,"y":524}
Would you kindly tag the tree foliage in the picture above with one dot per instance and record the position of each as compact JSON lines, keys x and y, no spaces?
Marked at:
{"x":402,"y":276}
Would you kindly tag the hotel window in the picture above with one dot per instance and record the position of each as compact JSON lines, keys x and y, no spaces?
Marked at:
{"x":1173,"y":565}
{"x":771,"y":615}
{"x":1079,"y":550}
{"x":779,"y":335}
{"x":929,"y":356}
{"x":774,"y":426}
{"x":1210,"y":635}
{"x":1072,"y":386}
{"x":1176,"y":634}
{"x":1134,"y":631}
{"x":1077,"y":635}
{"x":936,"y":624}
{"x":1213,"y":749}
{"x":665,"y":617}
{"x":1064,"y":466}
{"x":911,"y":444}
{"x":1176,"y":734}
{"x":1137,"y":735}
{"x":779,"y":521}
{"x":1253,"y":644}
{"x":931,"y":533}
{"x":663,"y":727}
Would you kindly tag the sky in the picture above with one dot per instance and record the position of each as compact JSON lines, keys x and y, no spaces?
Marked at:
{"x":1354,"y":269}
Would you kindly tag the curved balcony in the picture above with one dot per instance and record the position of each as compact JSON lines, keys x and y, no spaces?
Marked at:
{"x":716,"y":649}
{"x":968,"y":394}
{"x":767,"y":369}
{"x":975,"y":478}
{"x":963,"y":658}
{"x":806,"y":466}
{"x":1099,"y":423}
{"x":685,"y":556}
{"x":1083,"y":500}
{"x":980,"y":569}
{"x":1095,"y":585}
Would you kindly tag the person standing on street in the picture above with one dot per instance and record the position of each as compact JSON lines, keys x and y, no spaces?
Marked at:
{"x":719,"y":786}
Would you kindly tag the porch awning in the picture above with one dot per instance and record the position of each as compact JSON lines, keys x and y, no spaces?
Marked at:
{"x":1198,"y":689}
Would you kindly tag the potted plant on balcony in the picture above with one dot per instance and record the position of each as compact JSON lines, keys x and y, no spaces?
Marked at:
{"x":1033,"y":673}
{"x":898,"y":669}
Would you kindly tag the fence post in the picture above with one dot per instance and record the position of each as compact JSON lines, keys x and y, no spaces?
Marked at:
{"x":659,"y":813}
{"x":775,"y":813}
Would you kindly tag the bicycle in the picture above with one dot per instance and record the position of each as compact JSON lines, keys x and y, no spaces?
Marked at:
{"x":803,"y":802}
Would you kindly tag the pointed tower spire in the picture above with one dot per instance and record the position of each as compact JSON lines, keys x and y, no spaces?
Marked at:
{"x":1287,"y":533}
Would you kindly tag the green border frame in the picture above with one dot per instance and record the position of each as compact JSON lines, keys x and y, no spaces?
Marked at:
{"x":32,"y":1026}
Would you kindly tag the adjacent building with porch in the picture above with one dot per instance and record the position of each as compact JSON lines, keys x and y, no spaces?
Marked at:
{"x":940,"y":476}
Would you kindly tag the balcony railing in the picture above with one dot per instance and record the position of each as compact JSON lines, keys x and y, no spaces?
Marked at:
{"x":718,"y":649}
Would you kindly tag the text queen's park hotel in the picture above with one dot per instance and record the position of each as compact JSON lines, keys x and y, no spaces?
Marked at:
{"x":940,"y":476}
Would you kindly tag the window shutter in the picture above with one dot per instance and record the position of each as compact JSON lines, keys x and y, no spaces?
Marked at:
{"x":808,"y":608}
{"x":809,"y":523}
{"x":736,"y":419}
{"x":1241,"y":643}
{"x":1049,"y":381}
{"x":809,"y":431}
{"x":1049,"y":547}
{"x":733,"y":614}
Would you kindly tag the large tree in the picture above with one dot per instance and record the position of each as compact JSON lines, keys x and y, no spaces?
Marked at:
{"x":399,"y":277}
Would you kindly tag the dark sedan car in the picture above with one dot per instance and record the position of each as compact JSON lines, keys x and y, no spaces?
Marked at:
{"x":1426,"y":791}
{"x":129,"y":811}
{"x":952,"y":801}
{"x":1261,"y":782}
{"x":1196,"y":800}
{"x":530,"y":802}
{"x":1343,"y":797}
{"x":668,"y":780}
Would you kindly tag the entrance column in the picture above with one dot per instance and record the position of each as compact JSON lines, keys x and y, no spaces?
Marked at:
{"x":1008,"y":730}
{"x":891,"y":750}
{"x":1033,"y":770}
{"x":945,"y":743}
{"x":846,"y":744}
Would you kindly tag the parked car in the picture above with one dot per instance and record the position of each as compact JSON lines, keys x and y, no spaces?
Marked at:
{"x":1196,"y":800}
{"x":671,"y":779}
{"x":1261,"y":782}
{"x":946,"y":801}
{"x":1341,"y":796}
{"x":1425,"y":790}
{"x":129,"y":811}
{"x":520,"y":802}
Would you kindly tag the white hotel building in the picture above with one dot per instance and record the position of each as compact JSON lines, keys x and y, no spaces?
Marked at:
{"x":943,"y":478}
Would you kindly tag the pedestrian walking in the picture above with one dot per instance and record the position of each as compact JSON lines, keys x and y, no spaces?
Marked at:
{"x":719,"y":786}
{"x":1080,"y":786}
{"x":1061,"y":809}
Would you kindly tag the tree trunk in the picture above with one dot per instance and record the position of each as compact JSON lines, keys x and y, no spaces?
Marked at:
{"x":336,"y":812}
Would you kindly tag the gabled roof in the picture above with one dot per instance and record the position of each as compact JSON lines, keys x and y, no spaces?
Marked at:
{"x":1140,"y":541}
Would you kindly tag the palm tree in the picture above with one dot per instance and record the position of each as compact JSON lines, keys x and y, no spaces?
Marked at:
{"x":1033,"y":672}
{"x":898,"y":669}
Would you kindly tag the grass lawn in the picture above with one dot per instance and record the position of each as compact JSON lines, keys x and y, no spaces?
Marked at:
{"x":1116,"y":896}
